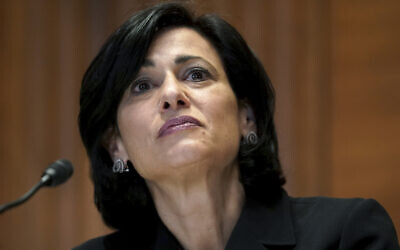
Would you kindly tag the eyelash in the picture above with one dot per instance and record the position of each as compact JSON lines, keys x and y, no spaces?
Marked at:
{"x":135,"y":86}
{"x":205,"y":74}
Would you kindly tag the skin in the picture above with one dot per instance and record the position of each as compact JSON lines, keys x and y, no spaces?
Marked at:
{"x":192,"y":173}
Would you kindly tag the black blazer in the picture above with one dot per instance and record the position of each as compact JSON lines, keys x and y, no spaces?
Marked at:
{"x":291,"y":223}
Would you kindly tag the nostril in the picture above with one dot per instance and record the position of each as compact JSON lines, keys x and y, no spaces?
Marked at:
{"x":180,"y":102}
{"x":166,"y":105}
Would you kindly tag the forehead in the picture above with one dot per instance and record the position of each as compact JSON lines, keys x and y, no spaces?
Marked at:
{"x":181,"y":41}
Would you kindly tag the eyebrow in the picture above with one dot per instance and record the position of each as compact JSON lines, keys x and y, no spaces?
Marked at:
{"x":148,"y":63}
{"x":185,"y":58}
{"x":178,"y":60}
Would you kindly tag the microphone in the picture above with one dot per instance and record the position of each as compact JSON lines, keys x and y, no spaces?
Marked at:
{"x":56,"y":173}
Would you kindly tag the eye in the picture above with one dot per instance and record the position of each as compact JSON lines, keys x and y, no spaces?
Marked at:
{"x":141,"y":85}
{"x":197,"y":75}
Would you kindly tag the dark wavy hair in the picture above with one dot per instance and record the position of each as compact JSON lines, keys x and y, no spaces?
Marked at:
{"x":123,"y":199}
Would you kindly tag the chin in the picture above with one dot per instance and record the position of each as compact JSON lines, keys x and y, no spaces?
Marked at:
{"x":199,"y":154}
{"x":186,"y":153}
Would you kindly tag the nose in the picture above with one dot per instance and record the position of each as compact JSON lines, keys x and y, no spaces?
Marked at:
{"x":173,"y":95}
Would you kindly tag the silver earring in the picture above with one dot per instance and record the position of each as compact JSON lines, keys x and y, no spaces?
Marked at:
{"x":119,"y":166}
{"x":251,"y":138}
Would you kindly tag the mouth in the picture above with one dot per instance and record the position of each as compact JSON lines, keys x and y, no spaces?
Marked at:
{"x":177,"y":124}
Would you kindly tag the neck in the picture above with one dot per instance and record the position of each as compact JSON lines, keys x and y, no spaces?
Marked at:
{"x":201,"y":212}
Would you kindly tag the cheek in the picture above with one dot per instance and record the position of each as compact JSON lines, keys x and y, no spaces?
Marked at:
{"x":134,"y":126}
{"x":226,"y":132}
{"x":224,"y":109}
{"x":129,"y":124}
{"x":223,"y":116}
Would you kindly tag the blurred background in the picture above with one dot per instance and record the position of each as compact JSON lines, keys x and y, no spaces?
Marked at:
{"x":335,"y":65}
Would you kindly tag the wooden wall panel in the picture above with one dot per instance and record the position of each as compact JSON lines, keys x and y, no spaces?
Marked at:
{"x":334,"y":65}
{"x":44,"y":57}
{"x":311,"y":104}
{"x":366,"y":101}
{"x":13,"y":171}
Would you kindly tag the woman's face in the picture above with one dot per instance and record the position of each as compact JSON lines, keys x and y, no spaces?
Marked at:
{"x":180,"y":113}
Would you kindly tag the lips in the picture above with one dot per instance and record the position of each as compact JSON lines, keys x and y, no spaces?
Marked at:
{"x":178,"y":123}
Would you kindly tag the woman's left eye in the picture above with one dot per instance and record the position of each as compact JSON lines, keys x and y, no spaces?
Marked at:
{"x":197,"y":75}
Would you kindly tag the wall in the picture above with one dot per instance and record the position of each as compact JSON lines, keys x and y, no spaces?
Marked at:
{"x":335,"y":65}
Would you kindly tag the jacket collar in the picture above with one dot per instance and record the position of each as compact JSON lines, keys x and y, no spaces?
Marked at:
{"x":260,"y":225}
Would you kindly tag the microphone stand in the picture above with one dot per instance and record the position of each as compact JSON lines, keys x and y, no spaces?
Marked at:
{"x":57,"y":173}
{"x":43,"y":181}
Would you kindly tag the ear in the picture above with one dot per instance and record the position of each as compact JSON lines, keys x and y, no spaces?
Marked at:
{"x":113,"y":143}
{"x":247,"y":119}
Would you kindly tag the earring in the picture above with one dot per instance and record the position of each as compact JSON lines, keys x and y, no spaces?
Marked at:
{"x":251,"y":138}
{"x":119,"y":166}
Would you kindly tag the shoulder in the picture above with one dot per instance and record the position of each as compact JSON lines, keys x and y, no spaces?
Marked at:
{"x":96,"y":243}
{"x":118,"y":240}
{"x":326,"y":209}
{"x":322,"y":206}
{"x":135,"y":238}
{"x":347,"y":223}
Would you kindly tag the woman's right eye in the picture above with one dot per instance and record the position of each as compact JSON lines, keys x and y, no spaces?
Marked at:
{"x":141,"y":86}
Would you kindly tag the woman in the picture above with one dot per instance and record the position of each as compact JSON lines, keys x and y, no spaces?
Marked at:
{"x":177,"y":119}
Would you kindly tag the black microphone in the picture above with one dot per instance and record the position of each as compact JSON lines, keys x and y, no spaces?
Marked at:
{"x":55,"y":174}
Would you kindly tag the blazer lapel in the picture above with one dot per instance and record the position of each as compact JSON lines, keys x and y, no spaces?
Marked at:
{"x":264,"y":227}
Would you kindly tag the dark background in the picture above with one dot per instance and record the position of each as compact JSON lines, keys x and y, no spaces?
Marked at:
{"x":335,"y":66}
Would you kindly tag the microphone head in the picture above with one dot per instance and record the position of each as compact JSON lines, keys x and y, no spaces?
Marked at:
{"x":58,"y":172}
